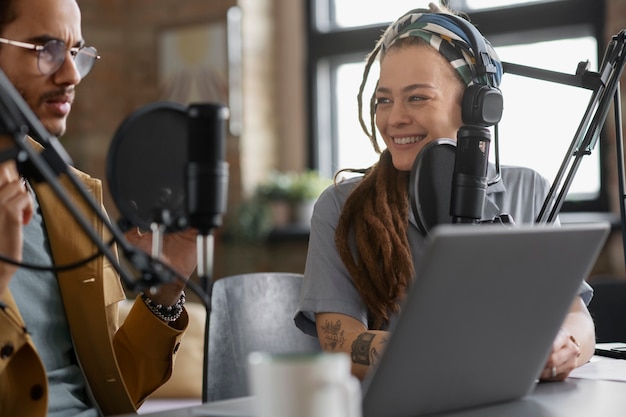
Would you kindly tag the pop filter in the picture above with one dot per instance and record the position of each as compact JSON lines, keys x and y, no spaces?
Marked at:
{"x":145,"y":167}
{"x":430,"y":184}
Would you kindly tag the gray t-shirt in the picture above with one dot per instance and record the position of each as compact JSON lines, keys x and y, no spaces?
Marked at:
{"x":38,"y":298}
{"x":327,"y":285}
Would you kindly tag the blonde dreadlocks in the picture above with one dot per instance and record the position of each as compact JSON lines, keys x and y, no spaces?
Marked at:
{"x":384,"y":267}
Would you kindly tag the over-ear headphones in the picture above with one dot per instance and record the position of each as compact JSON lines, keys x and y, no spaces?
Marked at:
{"x":482,"y":101}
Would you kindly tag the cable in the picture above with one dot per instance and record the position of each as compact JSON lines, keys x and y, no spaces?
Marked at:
{"x":53,"y":268}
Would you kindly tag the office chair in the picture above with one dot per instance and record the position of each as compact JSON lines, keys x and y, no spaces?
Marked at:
{"x":608,"y":309}
{"x":251,"y":312}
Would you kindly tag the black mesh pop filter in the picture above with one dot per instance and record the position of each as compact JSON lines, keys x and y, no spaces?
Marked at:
{"x":430,"y":184}
{"x":146,"y":166}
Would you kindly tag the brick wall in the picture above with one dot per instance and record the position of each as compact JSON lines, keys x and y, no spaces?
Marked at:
{"x":126,"y":78}
{"x":125,"y":33}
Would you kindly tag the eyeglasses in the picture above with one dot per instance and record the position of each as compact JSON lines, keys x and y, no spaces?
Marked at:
{"x":51,"y":55}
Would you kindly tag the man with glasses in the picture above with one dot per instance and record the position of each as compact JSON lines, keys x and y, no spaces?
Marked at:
{"x":62,"y":350}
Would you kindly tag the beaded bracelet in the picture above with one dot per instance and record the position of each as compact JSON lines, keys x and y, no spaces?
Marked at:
{"x":166,"y":313}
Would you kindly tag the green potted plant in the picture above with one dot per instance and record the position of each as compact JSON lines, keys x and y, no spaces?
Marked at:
{"x":276,"y":194}
{"x":290,"y":196}
{"x":251,"y":221}
{"x":277,"y":187}
{"x":306,"y":187}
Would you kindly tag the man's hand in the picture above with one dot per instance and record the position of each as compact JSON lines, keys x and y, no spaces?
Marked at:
{"x":16,"y":210}
{"x":179,"y":252}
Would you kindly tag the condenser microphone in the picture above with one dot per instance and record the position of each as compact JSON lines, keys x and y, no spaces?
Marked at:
{"x":469,"y":178}
{"x":206,"y":173}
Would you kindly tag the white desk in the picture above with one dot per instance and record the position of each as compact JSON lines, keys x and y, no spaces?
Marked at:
{"x":574,"y":397}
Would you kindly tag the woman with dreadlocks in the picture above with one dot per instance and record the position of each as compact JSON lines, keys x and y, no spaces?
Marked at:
{"x":365,"y":242}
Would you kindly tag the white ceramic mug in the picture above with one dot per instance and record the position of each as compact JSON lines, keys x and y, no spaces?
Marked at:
{"x":303,"y":385}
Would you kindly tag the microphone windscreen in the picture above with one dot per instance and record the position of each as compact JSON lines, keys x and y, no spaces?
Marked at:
{"x":430,"y":184}
{"x":146,"y":164}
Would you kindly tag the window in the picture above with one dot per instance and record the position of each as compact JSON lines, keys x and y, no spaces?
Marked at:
{"x":538,"y":115}
{"x":471,"y":5}
{"x":541,"y":118}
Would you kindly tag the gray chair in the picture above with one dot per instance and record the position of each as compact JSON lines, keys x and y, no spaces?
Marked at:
{"x":251,"y":312}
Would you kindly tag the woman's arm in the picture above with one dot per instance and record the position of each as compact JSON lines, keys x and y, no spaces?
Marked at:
{"x":573,"y":346}
{"x":342,"y":333}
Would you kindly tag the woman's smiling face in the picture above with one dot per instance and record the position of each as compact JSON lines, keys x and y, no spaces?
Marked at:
{"x":418,"y":100}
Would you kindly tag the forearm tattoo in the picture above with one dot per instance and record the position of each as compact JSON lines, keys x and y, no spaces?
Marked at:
{"x":361,"y":349}
{"x":332,"y":334}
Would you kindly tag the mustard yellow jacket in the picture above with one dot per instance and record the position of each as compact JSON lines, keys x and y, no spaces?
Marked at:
{"x":122,"y":364}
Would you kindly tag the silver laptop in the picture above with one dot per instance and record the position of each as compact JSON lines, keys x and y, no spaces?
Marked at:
{"x":477,"y":325}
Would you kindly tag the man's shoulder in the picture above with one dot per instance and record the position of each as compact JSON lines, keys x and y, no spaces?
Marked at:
{"x":81,"y":175}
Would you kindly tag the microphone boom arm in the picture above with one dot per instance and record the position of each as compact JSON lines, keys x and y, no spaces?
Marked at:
{"x":605,"y":85}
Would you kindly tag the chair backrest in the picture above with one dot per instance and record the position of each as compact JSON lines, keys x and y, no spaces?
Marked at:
{"x":608,"y":309}
{"x":251,"y":312}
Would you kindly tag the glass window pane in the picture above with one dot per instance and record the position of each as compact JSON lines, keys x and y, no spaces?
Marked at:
{"x":541,"y":118}
{"x":352,"y":13}
{"x":354,"y":148}
{"x":488,"y":4}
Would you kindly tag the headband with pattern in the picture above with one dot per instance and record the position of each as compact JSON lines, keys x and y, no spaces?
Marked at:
{"x":446,"y":37}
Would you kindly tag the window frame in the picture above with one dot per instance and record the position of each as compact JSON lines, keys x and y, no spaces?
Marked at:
{"x":328,"y":46}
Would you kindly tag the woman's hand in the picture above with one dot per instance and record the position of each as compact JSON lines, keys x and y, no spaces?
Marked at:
{"x":563,"y":359}
{"x":573,"y":346}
